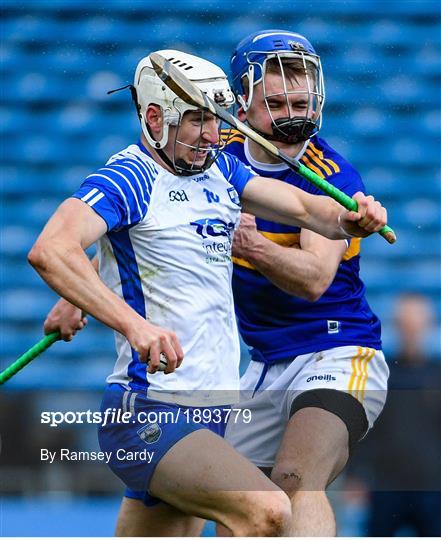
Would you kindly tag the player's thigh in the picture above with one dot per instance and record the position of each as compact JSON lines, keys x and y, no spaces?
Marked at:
{"x":136,"y":519}
{"x":203,"y":475}
{"x":313,"y":451}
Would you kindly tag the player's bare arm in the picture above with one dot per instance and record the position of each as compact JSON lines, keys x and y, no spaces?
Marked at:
{"x":65,"y":317}
{"x":305,"y":270}
{"x":277,"y":201}
{"x":58,"y":256}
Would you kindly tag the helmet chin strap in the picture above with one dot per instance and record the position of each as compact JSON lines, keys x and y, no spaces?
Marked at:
{"x":290,"y":130}
{"x":180,"y":166}
{"x":186,"y":170}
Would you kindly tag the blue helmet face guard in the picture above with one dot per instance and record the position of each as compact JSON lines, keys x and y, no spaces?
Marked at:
{"x":278,"y":50}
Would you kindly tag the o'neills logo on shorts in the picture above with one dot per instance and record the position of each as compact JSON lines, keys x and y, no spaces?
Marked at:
{"x":325,"y":378}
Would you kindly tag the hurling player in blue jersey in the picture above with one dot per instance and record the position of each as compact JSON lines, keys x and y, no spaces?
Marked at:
{"x":317,"y":377}
{"x":163,"y":212}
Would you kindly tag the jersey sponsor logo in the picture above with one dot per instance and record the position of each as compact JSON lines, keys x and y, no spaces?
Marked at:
{"x":234,"y":196}
{"x":325,"y":378}
{"x":178,"y":196}
{"x":213,"y":227}
{"x":150,"y":433}
{"x":216,"y":238}
{"x":211,"y":197}
{"x":333,"y":327}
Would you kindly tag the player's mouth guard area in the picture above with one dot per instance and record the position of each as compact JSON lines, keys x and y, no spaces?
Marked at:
{"x":289,"y":130}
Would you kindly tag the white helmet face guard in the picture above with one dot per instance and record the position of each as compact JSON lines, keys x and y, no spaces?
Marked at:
{"x":211,"y":152}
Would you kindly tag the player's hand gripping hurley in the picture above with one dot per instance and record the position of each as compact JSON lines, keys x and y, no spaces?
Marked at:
{"x":192,"y":95}
{"x":39,"y":348}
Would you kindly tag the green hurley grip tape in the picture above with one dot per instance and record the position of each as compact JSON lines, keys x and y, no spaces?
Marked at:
{"x":28,"y":356}
{"x":346,"y":201}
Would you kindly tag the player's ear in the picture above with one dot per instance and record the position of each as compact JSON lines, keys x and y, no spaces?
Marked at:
{"x":153,"y":116}
{"x":241,"y":114}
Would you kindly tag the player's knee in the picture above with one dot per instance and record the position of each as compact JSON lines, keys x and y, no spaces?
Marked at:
{"x":293,"y":477}
{"x":270,"y":517}
{"x":123,"y":527}
{"x":288,"y":477}
{"x":277,"y":517}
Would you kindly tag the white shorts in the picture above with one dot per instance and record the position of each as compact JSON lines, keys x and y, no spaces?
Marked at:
{"x":359,"y":371}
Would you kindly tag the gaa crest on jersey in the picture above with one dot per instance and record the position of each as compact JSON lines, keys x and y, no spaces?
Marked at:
{"x":150,"y":433}
{"x":178,"y":196}
{"x":234,"y":196}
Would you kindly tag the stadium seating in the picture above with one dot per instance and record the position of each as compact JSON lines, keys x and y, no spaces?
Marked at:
{"x":59,"y":58}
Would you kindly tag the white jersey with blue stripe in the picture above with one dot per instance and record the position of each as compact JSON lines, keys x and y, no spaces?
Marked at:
{"x":167,"y":253}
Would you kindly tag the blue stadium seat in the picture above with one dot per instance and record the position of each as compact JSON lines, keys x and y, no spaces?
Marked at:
{"x":403,"y":182}
{"x":17,"y":339}
{"x":412,"y":245}
{"x":101,"y":29}
{"x":63,"y":60}
{"x":369,"y":121}
{"x":402,"y":89}
{"x":16,"y":272}
{"x":35,"y":86}
{"x":100,"y":83}
{"x":72,"y":177}
{"x":30,"y":28}
{"x":396,"y":278}
{"x":73,"y":119}
{"x":13,"y":121}
{"x":11,"y":56}
{"x":27,"y":305}
{"x":409,"y":151}
{"x":431,"y":123}
{"x":41,"y":149}
{"x":26,"y":179}
{"x":17,"y":240}
{"x":427,"y":61}
{"x":423,"y":214}
{"x":37,"y":211}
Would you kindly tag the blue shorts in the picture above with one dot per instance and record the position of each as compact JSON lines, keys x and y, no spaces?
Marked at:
{"x":139,"y":431}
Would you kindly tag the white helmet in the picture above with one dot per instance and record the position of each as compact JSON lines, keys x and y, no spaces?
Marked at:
{"x":210,"y":78}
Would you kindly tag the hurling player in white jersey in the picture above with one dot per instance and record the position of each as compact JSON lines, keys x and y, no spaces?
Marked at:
{"x":163,"y":212}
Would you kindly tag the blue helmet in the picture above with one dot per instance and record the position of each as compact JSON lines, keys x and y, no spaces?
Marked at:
{"x":248,"y":63}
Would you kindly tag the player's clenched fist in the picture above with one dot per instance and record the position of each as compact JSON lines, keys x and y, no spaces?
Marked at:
{"x":153,"y":343}
{"x":370,"y":217}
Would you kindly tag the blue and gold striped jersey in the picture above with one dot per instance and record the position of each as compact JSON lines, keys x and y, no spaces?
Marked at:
{"x":279,"y":326}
